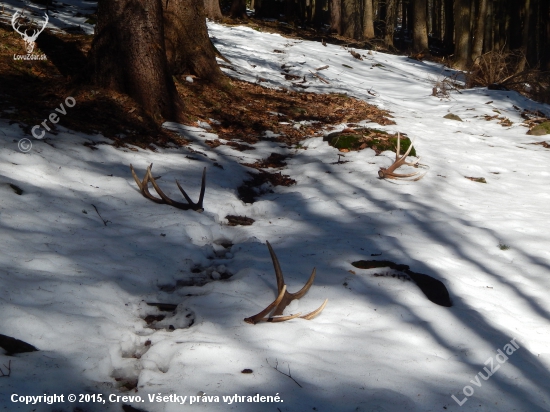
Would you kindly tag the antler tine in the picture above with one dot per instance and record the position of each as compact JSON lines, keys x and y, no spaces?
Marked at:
{"x":135,"y":176}
{"x":388,"y":173}
{"x":277,"y":266}
{"x":195,"y":206}
{"x":260,"y":316}
{"x":284,"y":297}
{"x":144,"y":185}
{"x":313,"y":314}
{"x":144,"y":189}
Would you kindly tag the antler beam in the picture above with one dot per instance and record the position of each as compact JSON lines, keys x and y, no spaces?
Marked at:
{"x":284,"y":298}
{"x":388,"y":173}
{"x":143,"y":186}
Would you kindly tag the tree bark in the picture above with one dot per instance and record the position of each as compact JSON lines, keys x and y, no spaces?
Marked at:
{"x":212,"y":9}
{"x":128,"y":55}
{"x":390,"y":22}
{"x":188,"y":47}
{"x":479,"y":34}
{"x":336,"y":16}
{"x":448,"y":39}
{"x":368,"y":20}
{"x":488,"y":36}
{"x":238,"y":9}
{"x":420,"y":32}
{"x":351,"y":19}
{"x":525,"y":34}
{"x":462,"y":34}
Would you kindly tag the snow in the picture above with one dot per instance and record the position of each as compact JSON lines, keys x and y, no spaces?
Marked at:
{"x":78,"y":289}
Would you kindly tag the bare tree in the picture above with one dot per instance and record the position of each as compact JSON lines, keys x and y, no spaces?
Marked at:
{"x":477,"y":48}
{"x":368,"y":20}
{"x":391,"y":15}
{"x":420,"y":32}
{"x":462,"y":33}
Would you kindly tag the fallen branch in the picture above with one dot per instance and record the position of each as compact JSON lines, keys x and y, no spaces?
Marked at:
{"x":104,"y":221}
{"x":319,"y":77}
{"x":8,"y":369}
{"x":289,"y":374}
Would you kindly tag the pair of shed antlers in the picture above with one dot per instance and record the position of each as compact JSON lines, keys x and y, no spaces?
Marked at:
{"x":273,"y":312}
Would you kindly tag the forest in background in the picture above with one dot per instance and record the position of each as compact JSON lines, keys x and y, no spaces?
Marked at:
{"x":504,"y":43}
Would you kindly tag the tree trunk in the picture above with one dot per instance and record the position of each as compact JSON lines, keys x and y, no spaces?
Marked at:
{"x":390,"y":22}
{"x":477,"y":48}
{"x":238,"y":9}
{"x":462,"y":34}
{"x":128,"y":55}
{"x":212,"y":9}
{"x":188,"y":47}
{"x":448,"y":40}
{"x":368,"y":20}
{"x":525,"y":34}
{"x":404,"y":18}
{"x":351,"y":19}
{"x":420,"y":32}
{"x":488,"y":36}
{"x":336,"y":16}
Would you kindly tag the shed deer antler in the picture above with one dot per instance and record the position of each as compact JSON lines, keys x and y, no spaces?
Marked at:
{"x":388,"y":173}
{"x":144,"y":189}
{"x":284,"y":298}
{"x":29,"y":40}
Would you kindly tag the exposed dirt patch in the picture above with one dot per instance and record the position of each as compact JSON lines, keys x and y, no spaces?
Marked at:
{"x":274,"y":160}
{"x":239,"y":220}
{"x":240,"y":147}
{"x":251,"y":189}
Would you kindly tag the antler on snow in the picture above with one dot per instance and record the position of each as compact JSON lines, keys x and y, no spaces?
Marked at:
{"x":388,"y":173}
{"x":144,"y":189}
{"x":284,"y":298}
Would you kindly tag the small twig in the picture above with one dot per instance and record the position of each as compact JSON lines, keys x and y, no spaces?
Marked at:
{"x":289,"y":374}
{"x":319,"y":77}
{"x":8,"y":368}
{"x":104,"y":221}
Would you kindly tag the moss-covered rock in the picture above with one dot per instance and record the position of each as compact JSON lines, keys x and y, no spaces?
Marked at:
{"x":452,"y":116}
{"x":362,"y":138}
{"x":540,"y":129}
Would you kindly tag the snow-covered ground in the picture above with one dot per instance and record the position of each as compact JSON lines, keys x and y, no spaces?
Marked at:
{"x":77,"y":288}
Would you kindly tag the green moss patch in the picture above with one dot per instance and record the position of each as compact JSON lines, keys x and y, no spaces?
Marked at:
{"x":452,"y":116}
{"x":540,"y":129}
{"x":362,"y":138}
